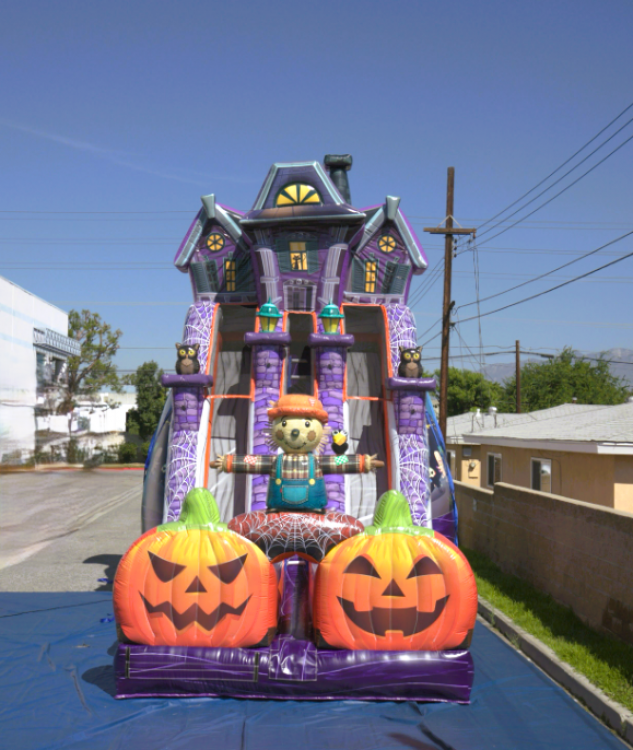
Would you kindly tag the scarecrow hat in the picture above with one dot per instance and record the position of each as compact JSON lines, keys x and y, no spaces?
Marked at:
{"x":298,"y":405}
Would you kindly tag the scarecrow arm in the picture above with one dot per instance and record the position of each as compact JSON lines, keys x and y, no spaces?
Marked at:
{"x":352,"y":464}
{"x":244,"y":464}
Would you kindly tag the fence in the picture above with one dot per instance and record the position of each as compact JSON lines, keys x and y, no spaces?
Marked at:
{"x":581,"y":554}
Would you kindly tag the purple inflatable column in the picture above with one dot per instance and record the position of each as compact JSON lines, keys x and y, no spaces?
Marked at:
{"x":331,"y":350}
{"x":188,"y":400}
{"x":410,"y":418}
{"x":268,"y":357}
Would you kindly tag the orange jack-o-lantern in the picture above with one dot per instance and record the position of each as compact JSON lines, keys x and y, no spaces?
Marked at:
{"x":395,"y":587}
{"x":194,"y":583}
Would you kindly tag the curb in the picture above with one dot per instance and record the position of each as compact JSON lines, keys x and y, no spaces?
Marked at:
{"x":608,"y":711}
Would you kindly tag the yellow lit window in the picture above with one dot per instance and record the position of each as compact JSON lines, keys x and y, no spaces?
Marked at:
{"x":298,"y":256}
{"x":215,"y":242}
{"x":370,"y":276}
{"x":387,"y":243}
{"x":298,"y":194}
{"x":229,"y":275}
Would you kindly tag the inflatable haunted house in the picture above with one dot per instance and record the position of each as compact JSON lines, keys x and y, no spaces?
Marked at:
{"x":299,"y":327}
{"x":302,"y":294}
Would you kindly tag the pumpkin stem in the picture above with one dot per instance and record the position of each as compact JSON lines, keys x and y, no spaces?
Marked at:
{"x":393,"y":515}
{"x":199,"y":510}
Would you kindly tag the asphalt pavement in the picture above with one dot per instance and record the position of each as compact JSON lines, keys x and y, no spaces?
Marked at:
{"x":65,"y":530}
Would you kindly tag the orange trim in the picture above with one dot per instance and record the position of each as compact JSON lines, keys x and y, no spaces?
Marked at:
{"x":387,"y":442}
{"x":210,"y":351}
{"x":387,"y":338}
{"x":229,"y":395}
{"x":208,"y":449}
{"x":229,"y":463}
{"x":361,"y":463}
{"x":365,"y":398}
{"x":315,"y":384}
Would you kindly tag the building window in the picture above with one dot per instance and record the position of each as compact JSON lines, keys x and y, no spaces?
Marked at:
{"x":371,"y":270}
{"x":215,"y":242}
{"x":298,"y":256}
{"x":229,"y":275}
{"x":541,"y":474}
{"x":297,"y":195}
{"x":494,"y":469}
{"x":387,"y":243}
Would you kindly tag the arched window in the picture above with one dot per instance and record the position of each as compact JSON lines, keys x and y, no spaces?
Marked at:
{"x":297,"y":194}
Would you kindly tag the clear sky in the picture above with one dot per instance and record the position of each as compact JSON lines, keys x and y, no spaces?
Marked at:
{"x":115,"y":117}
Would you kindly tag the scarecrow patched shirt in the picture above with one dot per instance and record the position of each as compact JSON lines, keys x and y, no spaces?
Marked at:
{"x":296,"y":465}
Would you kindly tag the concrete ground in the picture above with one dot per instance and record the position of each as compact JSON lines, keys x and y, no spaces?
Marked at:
{"x":63,"y":530}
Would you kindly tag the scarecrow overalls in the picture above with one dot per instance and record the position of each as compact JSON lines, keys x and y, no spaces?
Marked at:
{"x":306,"y":493}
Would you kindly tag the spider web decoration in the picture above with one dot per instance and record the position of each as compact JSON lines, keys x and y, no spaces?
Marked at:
{"x":291,"y":533}
{"x":198,"y":329}
{"x":414,"y":458}
{"x":412,"y":449}
{"x":182,"y":471}
{"x":181,"y":464}
{"x":402,"y":331}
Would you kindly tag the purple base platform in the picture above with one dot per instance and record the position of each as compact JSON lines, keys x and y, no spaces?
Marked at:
{"x":291,"y":669}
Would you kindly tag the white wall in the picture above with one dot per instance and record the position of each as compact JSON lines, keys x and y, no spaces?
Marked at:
{"x":20,"y":312}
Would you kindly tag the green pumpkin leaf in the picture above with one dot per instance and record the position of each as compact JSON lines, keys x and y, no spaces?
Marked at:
{"x":393,"y":516}
{"x":199,"y":511}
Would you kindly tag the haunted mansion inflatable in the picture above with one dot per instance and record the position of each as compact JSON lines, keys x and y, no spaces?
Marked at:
{"x":298,"y":510}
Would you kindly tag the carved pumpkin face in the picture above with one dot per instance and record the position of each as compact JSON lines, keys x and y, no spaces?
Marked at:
{"x":395,"y":591}
{"x":195,"y":587}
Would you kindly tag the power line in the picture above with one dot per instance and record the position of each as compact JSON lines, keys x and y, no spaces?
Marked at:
{"x":549,"y":273}
{"x":553,"y":289}
{"x":560,"y":192}
{"x":573,"y":156}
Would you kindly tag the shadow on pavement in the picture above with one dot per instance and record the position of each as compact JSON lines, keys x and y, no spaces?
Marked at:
{"x":111,"y":562}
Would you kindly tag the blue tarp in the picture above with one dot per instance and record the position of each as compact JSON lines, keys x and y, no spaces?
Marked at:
{"x":57,"y":688}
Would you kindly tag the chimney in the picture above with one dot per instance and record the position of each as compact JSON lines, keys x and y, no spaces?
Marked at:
{"x":338,"y":166}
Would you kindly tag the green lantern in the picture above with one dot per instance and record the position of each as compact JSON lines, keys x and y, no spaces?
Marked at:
{"x":330,"y":315}
{"x":268,"y":316}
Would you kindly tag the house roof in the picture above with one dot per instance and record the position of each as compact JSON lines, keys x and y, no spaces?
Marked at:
{"x":390,"y":212}
{"x":331,"y":208}
{"x":602,"y":429}
{"x":210,"y":211}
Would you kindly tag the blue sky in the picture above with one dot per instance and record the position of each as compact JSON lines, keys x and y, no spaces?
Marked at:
{"x":115,"y":118}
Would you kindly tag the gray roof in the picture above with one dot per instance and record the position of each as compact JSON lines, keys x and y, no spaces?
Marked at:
{"x":390,"y":211}
{"x":572,"y":423}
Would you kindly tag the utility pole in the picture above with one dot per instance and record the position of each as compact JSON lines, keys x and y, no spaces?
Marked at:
{"x":518,"y":376}
{"x":448,"y":230}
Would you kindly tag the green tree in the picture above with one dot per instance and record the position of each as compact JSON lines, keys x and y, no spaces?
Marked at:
{"x":93,"y":368}
{"x":150,"y":399}
{"x":559,"y":380}
{"x":468,"y":390}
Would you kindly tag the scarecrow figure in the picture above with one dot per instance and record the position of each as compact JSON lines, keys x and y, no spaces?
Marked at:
{"x":296,"y":476}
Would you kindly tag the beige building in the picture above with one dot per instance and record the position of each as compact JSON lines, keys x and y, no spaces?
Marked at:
{"x":583,"y":452}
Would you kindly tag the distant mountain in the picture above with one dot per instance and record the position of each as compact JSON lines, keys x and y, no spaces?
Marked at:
{"x":618,"y":365}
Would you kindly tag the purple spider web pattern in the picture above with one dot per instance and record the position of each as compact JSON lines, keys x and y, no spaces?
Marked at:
{"x":412,"y":448}
{"x":183,"y":444}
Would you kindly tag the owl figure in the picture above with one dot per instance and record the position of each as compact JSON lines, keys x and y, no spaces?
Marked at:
{"x":410,"y":366}
{"x":187,"y":362}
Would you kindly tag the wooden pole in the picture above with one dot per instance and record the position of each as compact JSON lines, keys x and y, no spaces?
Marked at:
{"x":446,"y":308}
{"x":448,"y":230}
{"x":518,"y":375}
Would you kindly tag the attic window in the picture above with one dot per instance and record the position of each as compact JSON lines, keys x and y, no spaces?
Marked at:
{"x":215,"y":242}
{"x":387,"y":243}
{"x":298,"y":194}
